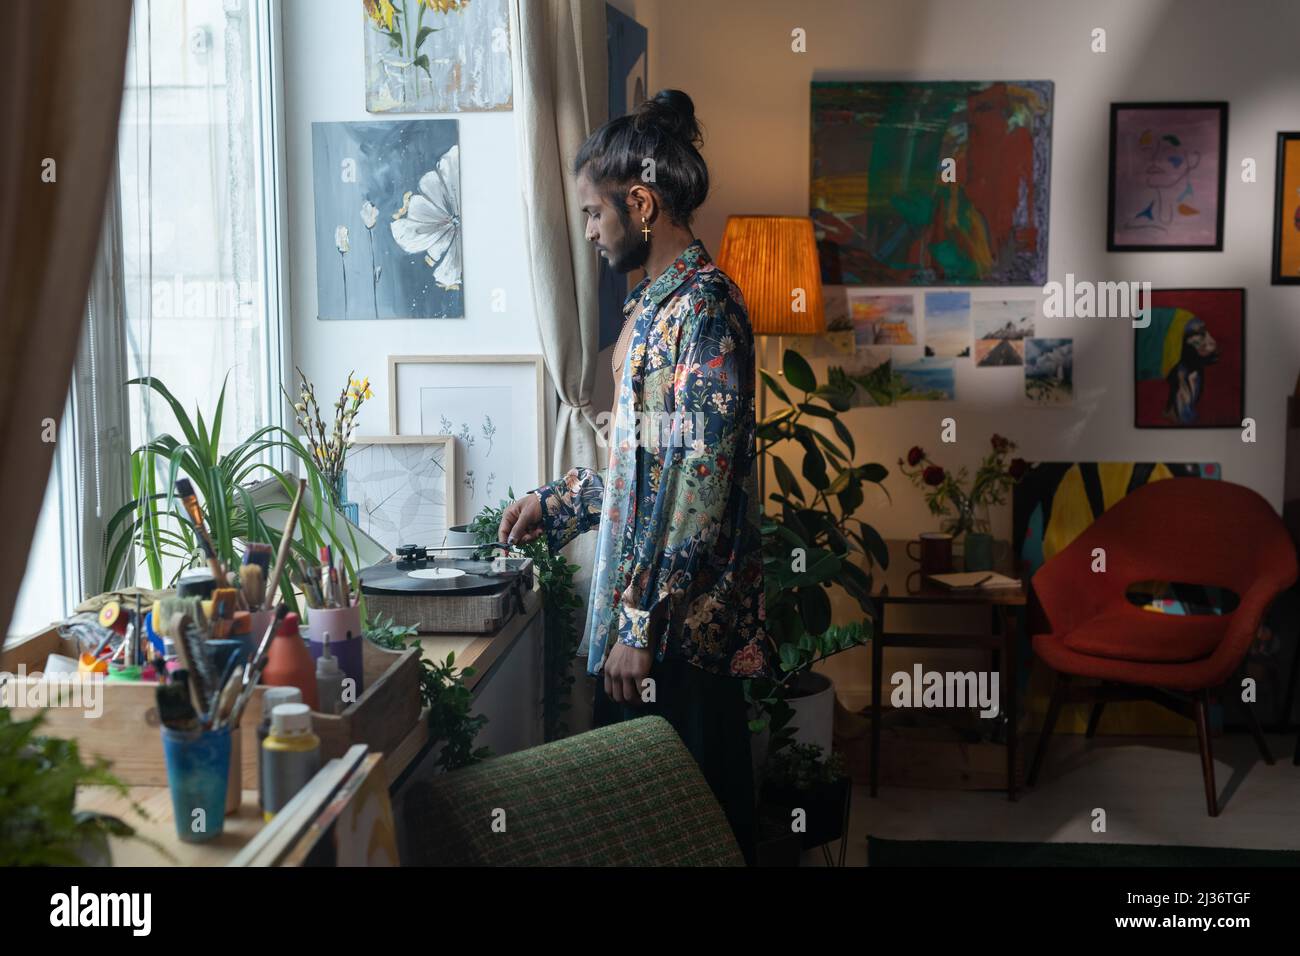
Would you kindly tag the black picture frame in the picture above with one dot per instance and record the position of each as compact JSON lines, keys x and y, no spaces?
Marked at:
{"x":1278,"y":212}
{"x":1115,"y":110}
{"x":1241,"y":294}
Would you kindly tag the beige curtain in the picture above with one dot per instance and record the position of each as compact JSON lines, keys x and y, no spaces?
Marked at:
{"x":61,"y":72}
{"x":560,"y":81}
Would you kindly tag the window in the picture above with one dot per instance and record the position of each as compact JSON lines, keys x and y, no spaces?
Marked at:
{"x":187,"y":286}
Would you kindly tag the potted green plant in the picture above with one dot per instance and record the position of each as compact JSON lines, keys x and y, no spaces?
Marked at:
{"x":443,"y":693}
{"x":800,"y":779}
{"x":154,"y":523}
{"x":813,"y":543}
{"x":965,"y":510}
{"x":560,"y":609}
{"x":39,"y":822}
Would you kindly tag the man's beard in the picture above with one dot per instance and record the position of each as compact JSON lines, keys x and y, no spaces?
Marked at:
{"x":632,"y":251}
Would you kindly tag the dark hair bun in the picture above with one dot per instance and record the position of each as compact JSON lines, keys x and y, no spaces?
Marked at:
{"x":672,"y":112}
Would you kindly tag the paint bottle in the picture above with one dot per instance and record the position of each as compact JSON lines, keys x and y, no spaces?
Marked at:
{"x":329,"y":680}
{"x":270,"y":698}
{"x":289,"y":663}
{"x":292,"y":756}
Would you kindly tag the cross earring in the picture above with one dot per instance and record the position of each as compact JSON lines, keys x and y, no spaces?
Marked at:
{"x":645,"y":230}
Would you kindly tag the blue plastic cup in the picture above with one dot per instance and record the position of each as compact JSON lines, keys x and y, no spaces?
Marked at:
{"x":198,"y":769}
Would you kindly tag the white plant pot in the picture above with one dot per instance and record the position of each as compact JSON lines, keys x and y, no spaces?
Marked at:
{"x":814,"y":711}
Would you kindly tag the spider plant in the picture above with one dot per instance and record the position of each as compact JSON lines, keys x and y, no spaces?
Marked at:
{"x":154,"y":521}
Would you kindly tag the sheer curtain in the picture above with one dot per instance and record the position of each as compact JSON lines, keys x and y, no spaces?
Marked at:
{"x":179,"y":288}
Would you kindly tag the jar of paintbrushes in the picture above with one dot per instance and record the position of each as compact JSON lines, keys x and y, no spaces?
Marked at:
{"x":333,"y":609}
{"x":203,"y":699}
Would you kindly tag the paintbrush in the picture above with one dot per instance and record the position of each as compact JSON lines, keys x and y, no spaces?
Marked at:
{"x":286,"y":541}
{"x":179,"y":625}
{"x":250,"y":585}
{"x":185,"y":491}
{"x":254,"y":665}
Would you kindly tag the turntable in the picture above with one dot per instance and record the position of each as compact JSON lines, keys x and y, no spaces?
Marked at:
{"x":447,"y":595}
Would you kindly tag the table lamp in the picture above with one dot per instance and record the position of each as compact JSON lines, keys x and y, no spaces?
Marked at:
{"x":773,"y":259}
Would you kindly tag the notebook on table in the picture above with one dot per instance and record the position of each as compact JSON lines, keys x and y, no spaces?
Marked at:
{"x":974,"y":580}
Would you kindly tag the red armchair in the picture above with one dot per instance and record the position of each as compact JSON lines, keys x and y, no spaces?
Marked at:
{"x":1185,"y":530}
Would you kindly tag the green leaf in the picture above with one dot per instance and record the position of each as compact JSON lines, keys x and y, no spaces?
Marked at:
{"x":873,"y":472}
{"x":786,"y":479}
{"x":774,"y":385}
{"x":798,"y":372}
{"x":845,"y":436}
{"x":814,"y":609}
{"x":422,"y":36}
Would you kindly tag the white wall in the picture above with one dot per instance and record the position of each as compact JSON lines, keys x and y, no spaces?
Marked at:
{"x":324,"y":82}
{"x":752,"y":94}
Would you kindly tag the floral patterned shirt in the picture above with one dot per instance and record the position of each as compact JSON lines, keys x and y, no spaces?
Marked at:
{"x":679,"y":564}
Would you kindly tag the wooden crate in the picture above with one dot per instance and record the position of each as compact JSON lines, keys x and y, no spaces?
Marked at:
{"x":126,"y":731}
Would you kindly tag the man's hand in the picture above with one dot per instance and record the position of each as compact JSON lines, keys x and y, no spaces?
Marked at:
{"x":625,"y":669}
{"x":521,"y":522}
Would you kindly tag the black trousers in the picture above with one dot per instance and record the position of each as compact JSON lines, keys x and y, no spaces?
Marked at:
{"x":710,"y":715}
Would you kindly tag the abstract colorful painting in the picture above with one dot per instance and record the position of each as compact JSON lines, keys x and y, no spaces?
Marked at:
{"x":437,"y":56}
{"x":1167,"y":167}
{"x":1286,"y":214}
{"x":1001,"y":327}
{"x":931,"y":183}
{"x":1189,"y":362}
{"x":388,"y":227}
{"x":882,"y":319}
{"x":947,"y":324}
{"x":1049,"y":371}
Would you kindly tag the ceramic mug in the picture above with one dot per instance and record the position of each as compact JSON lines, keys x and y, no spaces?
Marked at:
{"x":935,"y":555}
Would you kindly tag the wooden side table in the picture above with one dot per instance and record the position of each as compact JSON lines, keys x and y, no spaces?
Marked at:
{"x":902,"y":583}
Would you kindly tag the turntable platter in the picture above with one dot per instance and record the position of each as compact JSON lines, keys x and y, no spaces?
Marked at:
{"x":452,"y":575}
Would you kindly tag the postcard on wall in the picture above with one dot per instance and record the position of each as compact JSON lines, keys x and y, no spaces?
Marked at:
{"x":1049,"y":371}
{"x":1001,"y":328}
{"x":947,"y":324}
{"x":883,"y":319}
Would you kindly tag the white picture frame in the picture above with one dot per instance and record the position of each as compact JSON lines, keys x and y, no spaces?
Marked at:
{"x":492,"y":404}
{"x":404,"y":487}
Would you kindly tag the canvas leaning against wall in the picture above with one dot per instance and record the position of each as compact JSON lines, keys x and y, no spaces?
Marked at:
{"x":388,"y":220}
{"x":931,"y":183}
{"x":437,"y":56}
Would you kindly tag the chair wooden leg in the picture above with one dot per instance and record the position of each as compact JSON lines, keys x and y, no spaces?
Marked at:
{"x":1049,"y":724}
{"x":1258,"y":733}
{"x":1094,"y":718}
{"x":1202,"y":705}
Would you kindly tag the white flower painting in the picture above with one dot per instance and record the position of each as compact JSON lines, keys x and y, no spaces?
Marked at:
{"x":429,"y":222}
{"x":405,"y":175}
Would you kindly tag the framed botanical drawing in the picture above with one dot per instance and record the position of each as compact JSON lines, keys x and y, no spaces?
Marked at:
{"x":1190,"y":361}
{"x":1167,"y":174}
{"x":1286,"y":214}
{"x":492,"y":405}
{"x":404,"y":487}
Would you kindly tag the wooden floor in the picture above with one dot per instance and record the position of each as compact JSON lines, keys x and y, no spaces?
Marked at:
{"x":1150,"y":789}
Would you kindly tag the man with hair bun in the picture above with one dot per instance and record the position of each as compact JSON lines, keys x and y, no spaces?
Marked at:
{"x":675,"y":619}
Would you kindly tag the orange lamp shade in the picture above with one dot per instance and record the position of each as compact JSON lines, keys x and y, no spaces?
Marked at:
{"x":773,"y":259}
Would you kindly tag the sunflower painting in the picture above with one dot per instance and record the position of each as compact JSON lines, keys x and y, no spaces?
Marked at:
{"x":437,"y":56}
{"x":388,"y":220}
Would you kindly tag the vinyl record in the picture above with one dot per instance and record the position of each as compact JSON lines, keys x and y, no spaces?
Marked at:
{"x":448,"y":576}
